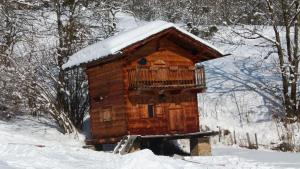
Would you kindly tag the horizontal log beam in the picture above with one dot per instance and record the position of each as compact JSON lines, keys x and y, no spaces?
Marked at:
{"x":181,"y":136}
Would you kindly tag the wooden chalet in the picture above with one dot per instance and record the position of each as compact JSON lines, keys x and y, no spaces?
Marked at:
{"x":145,"y":82}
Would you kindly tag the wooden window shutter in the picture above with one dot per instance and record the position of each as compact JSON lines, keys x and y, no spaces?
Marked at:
{"x":143,"y":111}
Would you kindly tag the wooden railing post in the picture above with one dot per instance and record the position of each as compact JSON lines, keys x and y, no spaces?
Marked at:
{"x":137,"y":76}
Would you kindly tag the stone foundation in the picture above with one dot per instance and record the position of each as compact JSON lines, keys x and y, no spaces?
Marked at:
{"x":200,"y":146}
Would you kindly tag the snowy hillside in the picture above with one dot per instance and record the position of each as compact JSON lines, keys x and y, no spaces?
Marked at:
{"x":32,"y":143}
{"x":238,"y":98}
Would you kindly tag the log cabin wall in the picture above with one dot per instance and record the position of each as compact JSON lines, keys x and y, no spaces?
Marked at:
{"x":174,"y":113}
{"x":117,"y":109}
{"x":149,"y":86}
{"x":107,"y":108}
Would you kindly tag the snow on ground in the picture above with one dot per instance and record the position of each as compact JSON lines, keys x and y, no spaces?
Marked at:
{"x":21,"y":148}
{"x":280,"y":159}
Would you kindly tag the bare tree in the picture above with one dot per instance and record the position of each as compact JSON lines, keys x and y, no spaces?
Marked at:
{"x":36,"y":39}
{"x":12,"y":29}
{"x":283,"y":17}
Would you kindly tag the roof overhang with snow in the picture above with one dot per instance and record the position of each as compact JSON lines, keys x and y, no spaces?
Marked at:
{"x":115,"y":46}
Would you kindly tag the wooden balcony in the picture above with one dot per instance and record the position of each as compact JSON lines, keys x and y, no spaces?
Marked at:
{"x":167,"y":78}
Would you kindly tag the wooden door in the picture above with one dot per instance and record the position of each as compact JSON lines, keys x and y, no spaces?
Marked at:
{"x":176,"y":118}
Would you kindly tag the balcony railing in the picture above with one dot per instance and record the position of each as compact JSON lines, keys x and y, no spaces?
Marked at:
{"x":166,"y":78}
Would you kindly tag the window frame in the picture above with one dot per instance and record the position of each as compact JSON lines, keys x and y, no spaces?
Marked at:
{"x":106,"y":114}
{"x":151,"y":114}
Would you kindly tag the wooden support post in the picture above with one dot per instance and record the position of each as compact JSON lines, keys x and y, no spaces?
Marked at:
{"x":256,"y":142}
{"x":248,"y":139}
{"x":200,"y":146}
{"x":231,"y":139}
{"x":234,"y":137}
{"x":220,"y":134}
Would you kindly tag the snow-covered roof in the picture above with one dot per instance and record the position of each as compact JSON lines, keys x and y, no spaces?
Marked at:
{"x":115,"y":44}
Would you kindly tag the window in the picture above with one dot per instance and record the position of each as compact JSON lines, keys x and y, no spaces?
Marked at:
{"x":142,"y":61}
{"x":107,"y":114}
{"x":150,"y":110}
{"x":146,"y":111}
